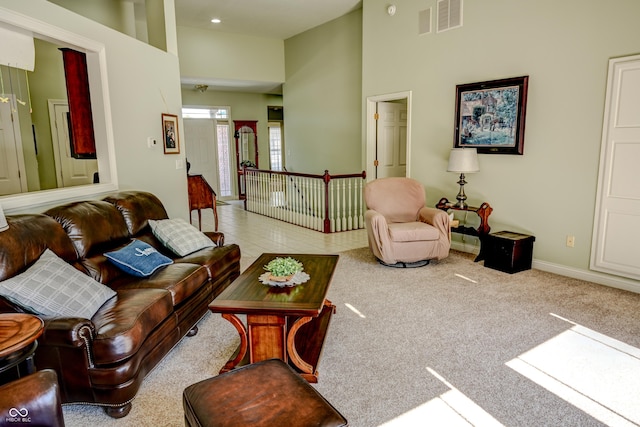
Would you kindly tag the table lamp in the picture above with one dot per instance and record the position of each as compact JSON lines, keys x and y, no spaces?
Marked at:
{"x":3,"y":221}
{"x":463,"y":160}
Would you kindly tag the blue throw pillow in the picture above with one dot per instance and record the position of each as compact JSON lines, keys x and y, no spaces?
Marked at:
{"x":138,"y":258}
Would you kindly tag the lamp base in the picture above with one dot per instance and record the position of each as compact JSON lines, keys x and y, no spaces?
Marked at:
{"x":461,"y":197}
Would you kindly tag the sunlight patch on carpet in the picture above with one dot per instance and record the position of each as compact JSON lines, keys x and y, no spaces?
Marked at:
{"x":452,"y":408}
{"x":355,"y":310}
{"x":465,"y":278}
{"x":593,"y":372}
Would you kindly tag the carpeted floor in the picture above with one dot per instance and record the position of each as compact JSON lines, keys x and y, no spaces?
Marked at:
{"x":403,"y":338}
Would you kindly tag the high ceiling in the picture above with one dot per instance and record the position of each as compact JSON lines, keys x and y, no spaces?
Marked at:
{"x":278,"y":19}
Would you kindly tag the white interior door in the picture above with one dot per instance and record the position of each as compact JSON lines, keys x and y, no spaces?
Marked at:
{"x":201,"y":149}
{"x":12,"y":181}
{"x":392,"y":139}
{"x":616,"y":233}
{"x":69,"y":170}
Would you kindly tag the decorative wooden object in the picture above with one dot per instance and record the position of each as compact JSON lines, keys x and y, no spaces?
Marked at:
{"x":83,"y":144}
{"x":201,"y":196}
{"x":483,"y":229}
{"x":18,"y":335}
{"x":246,"y":136}
{"x":285,"y":323}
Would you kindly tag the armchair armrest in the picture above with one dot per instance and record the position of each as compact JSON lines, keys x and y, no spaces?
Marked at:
{"x":378,"y":235}
{"x":436,"y":217}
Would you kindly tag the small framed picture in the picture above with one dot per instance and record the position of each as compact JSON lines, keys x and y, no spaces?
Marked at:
{"x":490,"y":115}
{"x":171,"y":141}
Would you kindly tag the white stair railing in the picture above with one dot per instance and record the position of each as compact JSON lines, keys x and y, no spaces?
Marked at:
{"x":320,"y":202}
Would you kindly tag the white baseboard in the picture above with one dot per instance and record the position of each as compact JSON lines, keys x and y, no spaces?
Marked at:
{"x":563,"y":270}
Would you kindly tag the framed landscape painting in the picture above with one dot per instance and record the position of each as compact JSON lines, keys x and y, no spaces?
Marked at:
{"x":490,"y":115}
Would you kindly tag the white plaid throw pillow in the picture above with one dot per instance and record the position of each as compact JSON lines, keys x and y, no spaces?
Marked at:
{"x":179,"y":236}
{"x":52,"y":287}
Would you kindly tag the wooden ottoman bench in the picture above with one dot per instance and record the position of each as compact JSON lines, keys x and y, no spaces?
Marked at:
{"x":264,"y":394}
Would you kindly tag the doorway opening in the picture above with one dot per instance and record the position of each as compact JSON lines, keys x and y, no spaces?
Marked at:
{"x":388,"y":137}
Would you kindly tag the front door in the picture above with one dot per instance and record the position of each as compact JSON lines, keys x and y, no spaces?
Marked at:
{"x":201,"y":150}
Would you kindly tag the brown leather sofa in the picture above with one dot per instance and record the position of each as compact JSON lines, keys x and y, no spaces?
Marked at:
{"x":103,"y":360}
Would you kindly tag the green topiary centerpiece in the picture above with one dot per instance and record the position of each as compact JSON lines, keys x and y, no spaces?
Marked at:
{"x":283,"y":269}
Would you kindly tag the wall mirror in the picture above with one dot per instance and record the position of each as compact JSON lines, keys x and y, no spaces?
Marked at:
{"x":36,"y":149}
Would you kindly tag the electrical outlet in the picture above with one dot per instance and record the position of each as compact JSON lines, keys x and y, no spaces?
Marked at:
{"x":571,"y":241}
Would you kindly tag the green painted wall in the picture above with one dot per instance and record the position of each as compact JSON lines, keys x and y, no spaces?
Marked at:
{"x":564,"y":47}
{"x":213,"y":54}
{"x":322,"y":97}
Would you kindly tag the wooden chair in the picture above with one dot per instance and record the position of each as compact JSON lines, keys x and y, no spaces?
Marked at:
{"x":201,"y":196}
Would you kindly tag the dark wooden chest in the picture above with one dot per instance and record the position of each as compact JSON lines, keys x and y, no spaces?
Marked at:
{"x":508,"y":251}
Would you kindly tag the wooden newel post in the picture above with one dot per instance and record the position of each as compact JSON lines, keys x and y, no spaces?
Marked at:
{"x":327,"y":223}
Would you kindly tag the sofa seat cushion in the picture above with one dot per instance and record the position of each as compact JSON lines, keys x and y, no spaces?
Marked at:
{"x":123,"y":323}
{"x":412,"y":231}
{"x":217,"y":261}
{"x":181,"y":280}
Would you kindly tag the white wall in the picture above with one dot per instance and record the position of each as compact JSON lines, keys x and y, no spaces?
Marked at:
{"x":564,"y":47}
{"x":135,"y":95}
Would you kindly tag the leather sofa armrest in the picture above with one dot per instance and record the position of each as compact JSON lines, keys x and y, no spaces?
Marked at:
{"x":32,"y":400}
{"x":67,"y":332}
{"x":216,"y":236}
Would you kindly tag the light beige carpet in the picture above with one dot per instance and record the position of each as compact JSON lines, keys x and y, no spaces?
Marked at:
{"x":397,"y":330}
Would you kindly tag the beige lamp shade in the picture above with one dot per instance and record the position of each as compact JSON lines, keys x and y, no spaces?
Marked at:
{"x":463,"y":160}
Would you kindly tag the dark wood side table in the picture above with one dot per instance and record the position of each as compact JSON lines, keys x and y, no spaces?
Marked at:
{"x":288,"y":323}
{"x":483,"y":211}
{"x":201,"y":196}
{"x":18,"y":342}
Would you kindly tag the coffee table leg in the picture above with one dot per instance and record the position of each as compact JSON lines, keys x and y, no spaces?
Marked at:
{"x":291,"y":346}
{"x":244,"y":342}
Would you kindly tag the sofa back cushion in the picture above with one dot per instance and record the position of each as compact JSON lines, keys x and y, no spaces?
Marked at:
{"x":93,"y":226}
{"x":27,"y":238}
{"x":137,"y":207}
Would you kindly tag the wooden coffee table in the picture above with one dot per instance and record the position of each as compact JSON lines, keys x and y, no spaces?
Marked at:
{"x":286,"y":323}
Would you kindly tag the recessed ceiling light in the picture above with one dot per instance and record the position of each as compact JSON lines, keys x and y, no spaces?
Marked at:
{"x":216,"y":20}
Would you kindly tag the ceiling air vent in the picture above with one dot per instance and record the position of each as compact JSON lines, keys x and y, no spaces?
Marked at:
{"x":424,"y":21}
{"x":449,"y":14}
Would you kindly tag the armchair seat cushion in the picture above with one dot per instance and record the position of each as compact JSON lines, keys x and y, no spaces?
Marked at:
{"x":412,"y":231}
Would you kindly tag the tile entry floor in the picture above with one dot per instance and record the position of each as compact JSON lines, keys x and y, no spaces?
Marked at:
{"x":257,"y":234}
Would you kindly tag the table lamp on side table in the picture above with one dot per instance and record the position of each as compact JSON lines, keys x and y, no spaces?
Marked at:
{"x":463,"y":160}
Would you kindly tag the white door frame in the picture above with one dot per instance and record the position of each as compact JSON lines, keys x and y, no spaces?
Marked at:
{"x":371,"y":130}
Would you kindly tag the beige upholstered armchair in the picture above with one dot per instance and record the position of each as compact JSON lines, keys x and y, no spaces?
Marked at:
{"x":402,"y":231}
